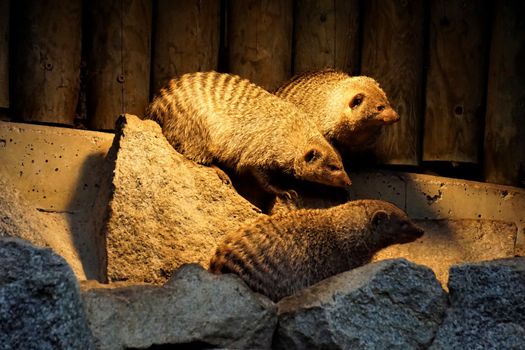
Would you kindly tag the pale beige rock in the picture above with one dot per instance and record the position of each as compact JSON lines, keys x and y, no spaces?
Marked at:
{"x":449,"y":242}
{"x":20,"y":219}
{"x":165,"y":210}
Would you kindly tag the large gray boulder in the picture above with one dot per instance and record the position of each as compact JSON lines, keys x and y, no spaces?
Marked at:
{"x":40,"y":305}
{"x":487,"y":306}
{"x":391,"y":304}
{"x":195,"y":307}
{"x":165,"y":210}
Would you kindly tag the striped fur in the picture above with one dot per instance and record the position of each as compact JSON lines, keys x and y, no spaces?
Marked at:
{"x":281,"y":254}
{"x":216,"y":118}
{"x":328,"y":95}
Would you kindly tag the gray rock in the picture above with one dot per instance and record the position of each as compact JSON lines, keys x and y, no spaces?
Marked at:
{"x":391,"y":304}
{"x":194,"y":307}
{"x":166,"y":210}
{"x":40,"y":305}
{"x":487,"y":306}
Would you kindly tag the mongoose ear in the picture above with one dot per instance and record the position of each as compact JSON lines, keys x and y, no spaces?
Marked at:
{"x":379,"y":217}
{"x":312,"y":155}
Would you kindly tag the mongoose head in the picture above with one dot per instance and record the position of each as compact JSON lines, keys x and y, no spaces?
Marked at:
{"x":391,"y":225}
{"x":365,"y":110}
{"x":322,"y":164}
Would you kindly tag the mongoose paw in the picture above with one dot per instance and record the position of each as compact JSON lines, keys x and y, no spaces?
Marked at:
{"x":222,"y":175}
{"x":291,"y":195}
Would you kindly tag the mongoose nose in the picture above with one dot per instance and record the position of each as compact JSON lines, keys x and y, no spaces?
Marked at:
{"x":389,"y":116}
{"x":345,"y":180}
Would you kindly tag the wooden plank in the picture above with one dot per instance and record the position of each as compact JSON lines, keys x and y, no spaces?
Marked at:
{"x":326,"y":35}
{"x":186,"y":39}
{"x":505,"y":119}
{"x":4,"y":53}
{"x":456,"y":81}
{"x":259,"y":40}
{"x":118,"y":60}
{"x":47,"y":65}
{"x":392,"y":53}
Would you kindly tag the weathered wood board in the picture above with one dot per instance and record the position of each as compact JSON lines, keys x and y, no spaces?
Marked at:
{"x":505,"y":119}
{"x":185,"y":39}
{"x":47,"y":64}
{"x":326,"y":35}
{"x":4,"y":53}
{"x":118,"y":60}
{"x":392,"y":53}
{"x":456,"y":81}
{"x":259,"y":40}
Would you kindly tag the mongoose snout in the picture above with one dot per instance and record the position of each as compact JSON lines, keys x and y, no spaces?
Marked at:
{"x":389,"y":116}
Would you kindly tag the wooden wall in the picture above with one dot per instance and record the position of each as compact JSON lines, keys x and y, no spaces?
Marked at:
{"x":452,"y":69}
{"x":4,"y":54}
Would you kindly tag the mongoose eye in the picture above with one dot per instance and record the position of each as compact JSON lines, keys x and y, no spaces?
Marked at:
{"x":332,"y":167}
{"x":380,"y":108}
{"x":357,"y":100}
{"x":312,"y":155}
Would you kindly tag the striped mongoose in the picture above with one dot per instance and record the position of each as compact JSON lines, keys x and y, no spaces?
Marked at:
{"x":279,"y":255}
{"x":221,"y":119}
{"x":349,"y":111}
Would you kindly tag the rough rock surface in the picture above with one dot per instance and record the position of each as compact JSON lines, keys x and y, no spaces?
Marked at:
{"x":195,"y":307}
{"x":454,"y":242}
{"x":165,"y":210}
{"x":20,"y":219}
{"x":40,"y":305}
{"x":383,"y":305}
{"x":487,"y":306}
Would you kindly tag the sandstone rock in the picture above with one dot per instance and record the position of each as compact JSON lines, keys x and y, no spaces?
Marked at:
{"x":454,"y":242}
{"x":487,"y":307}
{"x":165,"y":210}
{"x":383,"y":305}
{"x":20,"y":219}
{"x":40,"y":305}
{"x":195,"y":307}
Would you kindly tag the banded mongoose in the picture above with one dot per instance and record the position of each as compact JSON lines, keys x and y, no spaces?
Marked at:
{"x":281,"y":254}
{"x":349,"y":111}
{"x":221,"y":119}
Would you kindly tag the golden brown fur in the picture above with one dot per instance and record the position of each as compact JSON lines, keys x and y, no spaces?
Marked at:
{"x":215,"y":118}
{"x":279,"y":255}
{"x":332,"y":99}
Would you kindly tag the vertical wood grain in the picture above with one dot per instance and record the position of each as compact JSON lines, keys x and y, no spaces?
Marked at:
{"x":456,"y":81}
{"x":259,"y":40}
{"x":118,"y":60}
{"x":46,"y":60}
{"x":326,"y":35}
{"x":4,"y":53}
{"x":186,"y":39}
{"x":392,"y":53}
{"x":505,"y":120}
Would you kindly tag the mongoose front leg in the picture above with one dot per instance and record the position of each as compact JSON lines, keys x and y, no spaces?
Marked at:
{"x":264,"y":180}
